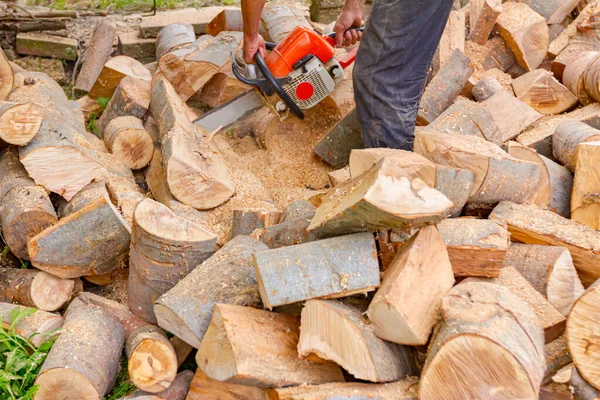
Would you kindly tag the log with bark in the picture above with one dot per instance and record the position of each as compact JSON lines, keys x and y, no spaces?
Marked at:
{"x":44,"y":45}
{"x":127,"y":139}
{"x":178,"y":390}
{"x":557,"y":356}
{"x":574,"y":74}
{"x":89,"y":107}
{"x":482,"y":16}
{"x":532,"y":225}
{"x":199,"y":18}
{"x":6,"y":76}
{"x":342,"y":138}
{"x":113,"y":71}
{"x":96,"y":55}
{"x":132,"y":97}
{"x":499,"y":55}
{"x":37,"y":327}
{"x":542,"y":92}
{"x":488,"y":341}
{"x":486,"y":88}
{"x":20,"y":122}
{"x":230,"y":20}
{"x":172,"y":37}
{"x":511,"y":115}
{"x":339,"y":332}
{"x":280,"y":19}
{"x":245,"y":222}
{"x":566,"y":139}
{"x":221,"y":88}
{"x":585,"y":203}
{"x":203,"y":388}
{"x":555,"y":11}
{"x":400,"y":315}
{"x":289,"y":232}
{"x":253,"y":347}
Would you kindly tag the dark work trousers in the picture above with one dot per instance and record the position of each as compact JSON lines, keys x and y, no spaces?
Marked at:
{"x":391,"y":68}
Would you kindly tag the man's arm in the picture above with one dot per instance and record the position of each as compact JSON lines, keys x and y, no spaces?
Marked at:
{"x":351,"y":17}
{"x":253,"y":42}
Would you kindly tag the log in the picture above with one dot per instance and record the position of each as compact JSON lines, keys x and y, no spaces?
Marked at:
{"x":199,"y":18}
{"x":486,"y":88}
{"x":488,"y":341}
{"x":499,"y":56}
{"x":338,"y":177}
{"x":585,"y":203}
{"x":532,"y":225}
{"x":37,"y":327}
{"x":289,"y":233}
{"x":574,"y":73}
{"x":227,"y":277}
{"x":96,"y":55}
{"x":20,"y":122}
{"x":132,"y":97}
{"x":195,"y":172}
{"x":550,"y":270}
{"x":554,"y":11}
{"x":151,"y":359}
{"x":134,"y":46}
{"x":297,"y":209}
{"x":113,"y":71}
{"x":205,"y":388}
{"x":482,"y":17}
{"x":253,"y":347}
{"x":221,"y":88}
{"x":6,"y":76}
{"x":230,"y":20}
{"x":178,"y":390}
{"x":557,"y":356}
{"x":246,"y":222}
{"x":553,"y":191}
{"x":444,"y":87}
{"x":580,"y":388}
{"x":452,"y":38}
{"x":539,"y":90}
{"x":566,"y":139}
{"x":590,"y":79}
{"x":280,"y":19}
{"x":511,"y":115}
{"x":495,"y":172}
{"x":164,"y":249}
{"x":476,"y":247}
{"x":562,"y":41}
{"x":128,"y":140}
{"x":44,"y":45}
{"x":360,"y":352}
{"x":330,"y":268}
{"x":362,"y":204}
{"x":422,"y":255}
{"x":337,"y":144}
{"x":84,"y":358}
{"x":172,"y":37}
{"x":525,"y":32}
{"x":89,"y":107}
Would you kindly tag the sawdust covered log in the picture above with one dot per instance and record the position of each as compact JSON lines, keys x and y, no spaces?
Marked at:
{"x":566,"y":139}
{"x":6,"y":76}
{"x":488,"y":341}
{"x":227,"y":277}
{"x":550,"y":270}
{"x":84,"y":358}
{"x":253,"y":347}
{"x":96,"y":55}
{"x":203,"y":387}
{"x":403,"y":316}
{"x":132,"y":97}
{"x":486,"y":88}
{"x":280,"y":19}
{"x":361,"y":353}
{"x":512,"y":115}
{"x":113,"y":71}
{"x":245,"y":222}
{"x":128,"y":140}
{"x":574,"y":73}
{"x":37,"y":327}
{"x":542,"y":92}
{"x":20,"y":122}
{"x":482,"y":16}
{"x":172,"y":37}
{"x":585,"y":203}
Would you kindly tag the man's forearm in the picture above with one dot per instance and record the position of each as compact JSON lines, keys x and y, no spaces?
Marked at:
{"x":354,"y":4}
{"x":251,"y":11}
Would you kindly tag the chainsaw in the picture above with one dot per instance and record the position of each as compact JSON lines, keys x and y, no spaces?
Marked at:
{"x":301,"y":70}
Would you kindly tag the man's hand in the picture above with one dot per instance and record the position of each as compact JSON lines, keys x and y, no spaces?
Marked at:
{"x":351,"y":17}
{"x":252,"y":45}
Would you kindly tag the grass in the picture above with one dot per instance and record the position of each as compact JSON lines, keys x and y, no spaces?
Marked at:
{"x":123,"y":386}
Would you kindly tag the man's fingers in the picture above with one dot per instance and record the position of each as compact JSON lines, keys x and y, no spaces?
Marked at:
{"x":339,"y":36}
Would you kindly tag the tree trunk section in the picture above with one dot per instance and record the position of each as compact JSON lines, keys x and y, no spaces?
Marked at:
{"x":483,"y":18}
{"x":6,"y":76}
{"x":37,"y":327}
{"x":585,"y":204}
{"x":511,"y":115}
{"x":566,"y":139}
{"x":20,"y":122}
{"x":128,"y":140}
{"x":288,"y":233}
{"x":280,"y":19}
{"x":574,"y":73}
{"x":132,"y":97}
{"x":204,"y":388}
{"x":96,"y":55}
{"x":484,"y":89}
{"x":114,"y":71}
{"x":172,"y":37}
{"x":539,"y":90}
{"x":555,"y":11}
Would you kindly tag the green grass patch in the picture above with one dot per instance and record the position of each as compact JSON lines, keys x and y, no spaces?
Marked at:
{"x":123,"y":386}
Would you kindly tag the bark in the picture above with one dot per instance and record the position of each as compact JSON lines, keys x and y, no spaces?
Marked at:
{"x":132,"y":97}
{"x":221,"y":88}
{"x":114,"y":71}
{"x":557,"y":356}
{"x":128,"y":141}
{"x":555,"y":11}
{"x":280,"y":19}
{"x":486,"y":88}
{"x":96,"y":55}
{"x":38,"y":327}
{"x":452,"y":38}
{"x":178,"y":390}
{"x":172,"y":37}
{"x":246,"y":222}
{"x":297,"y":209}
{"x":289,"y":233}
{"x":574,"y":74}
{"x":337,"y":144}
{"x":566,"y":139}
{"x":44,"y":45}
{"x":585,"y":203}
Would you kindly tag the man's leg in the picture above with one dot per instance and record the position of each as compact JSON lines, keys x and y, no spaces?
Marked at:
{"x":391,"y":67}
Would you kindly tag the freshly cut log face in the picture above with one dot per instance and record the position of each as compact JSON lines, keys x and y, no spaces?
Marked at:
{"x":128,"y":140}
{"x":512,"y":115}
{"x":96,"y":55}
{"x":20,"y":122}
{"x":566,"y":139}
{"x":382,"y":197}
{"x":476,"y":247}
{"x":227,"y":277}
{"x":330,"y":268}
{"x":131,"y":98}
{"x":585,"y":204}
{"x":6,"y":76}
{"x":488,"y":341}
{"x":483,"y":14}
{"x":526,"y":33}
{"x":37,"y":327}
{"x":401,"y":315}
{"x":532,"y":225}
{"x":497,"y":175}
{"x":84,"y":359}
{"x":253,"y":347}
{"x":550,"y":270}
{"x":172,"y":37}
{"x":114,"y":70}
{"x":339,"y":332}
{"x":573,"y":76}
{"x":203,"y":387}
{"x":542,"y":92}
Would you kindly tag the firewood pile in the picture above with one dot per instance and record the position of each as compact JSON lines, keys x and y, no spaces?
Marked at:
{"x":467,"y":269}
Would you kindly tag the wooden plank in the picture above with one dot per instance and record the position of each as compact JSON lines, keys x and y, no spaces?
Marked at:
{"x":43,"y":45}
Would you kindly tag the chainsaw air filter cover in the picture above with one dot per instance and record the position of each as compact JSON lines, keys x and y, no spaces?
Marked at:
{"x":311,"y":83}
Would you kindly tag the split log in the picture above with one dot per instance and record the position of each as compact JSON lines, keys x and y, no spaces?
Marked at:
{"x":253,"y":347}
{"x":204,"y":388}
{"x":20,"y":122}
{"x":444,"y":87}
{"x":172,"y":37}
{"x":574,"y":73}
{"x":96,"y":55}
{"x":553,"y":191}
{"x":550,"y":270}
{"x":476,"y":247}
{"x":195,"y":172}
{"x":227,"y":277}
{"x":336,"y":145}
{"x":497,"y":175}
{"x":566,"y":139}
{"x":330,"y":268}
{"x":362,"y":204}
{"x":197,"y":17}
{"x":512,"y":115}
{"x":6,"y":76}
{"x":280,"y":19}
{"x":132,"y":97}
{"x":37,"y":327}
{"x":178,"y":390}
{"x":128,"y":140}
{"x":33,"y":288}
{"x":84,"y":358}
{"x":164,"y":249}
{"x":230,"y":20}
{"x":405,"y":317}
{"x":452,"y":38}
{"x":526,"y":33}
{"x":585,"y":203}
{"x":246,"y":222}
{"x":486,"y":88}
{"x":539,"y":90}
{"x":151,"y":360}
{"x":554,"y":11}
{"x":289,"y":233}
{"x":532,"y":225}
{"x":338,"y":177}
{"x":483,"y":18}
{"x":113,"y":71}
{"x":499,"y":55}
{"x":489,"y":341}
{"x":221,"y":88}
{"x":297,"y":209}
{"x":44,"y":45}
{"x":360,"y":352}
{"x":557,"y":356}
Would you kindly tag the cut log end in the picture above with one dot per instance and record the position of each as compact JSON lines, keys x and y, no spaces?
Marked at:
{"x":51,"y":293}
{"x":152,"y":366}
{"x":177,"y":326}
{"x":62,"y":383}
{"x":20,"y":122}
{"x":129,"y":141}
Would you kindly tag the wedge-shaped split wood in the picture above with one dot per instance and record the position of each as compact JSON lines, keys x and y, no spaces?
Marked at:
{"x":227,"y":277}
{"x":452,"y":38}
{"x":550,"y":270}
{"x":532,"y":225}
{"x":20,"y":122}
{"x":476,"y":247}
{"x":37,"y":327}
{"x":497,"y":175}
{"x":113,"y":71}
{"x":585,"y":203}
{"x":542,"y":92}
{"x":483,"y":14}
{"x":361,"y":352}
{"x":203,"y":387}
{"x":253,"y":347}
{"x":399,"y":315}
{"x":6,"y":76}
{"x":512,"y":116}
{"x":172,"y":37}
{"x":382,"y":197}
{"x":96,"y":55}
{"x":131,"y":98}
{"x":566,"y":139}
{"x":574,"y":73}
{"x":339,"y":176}
{"x":128,"y":141}
{"x":488,"y":341}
